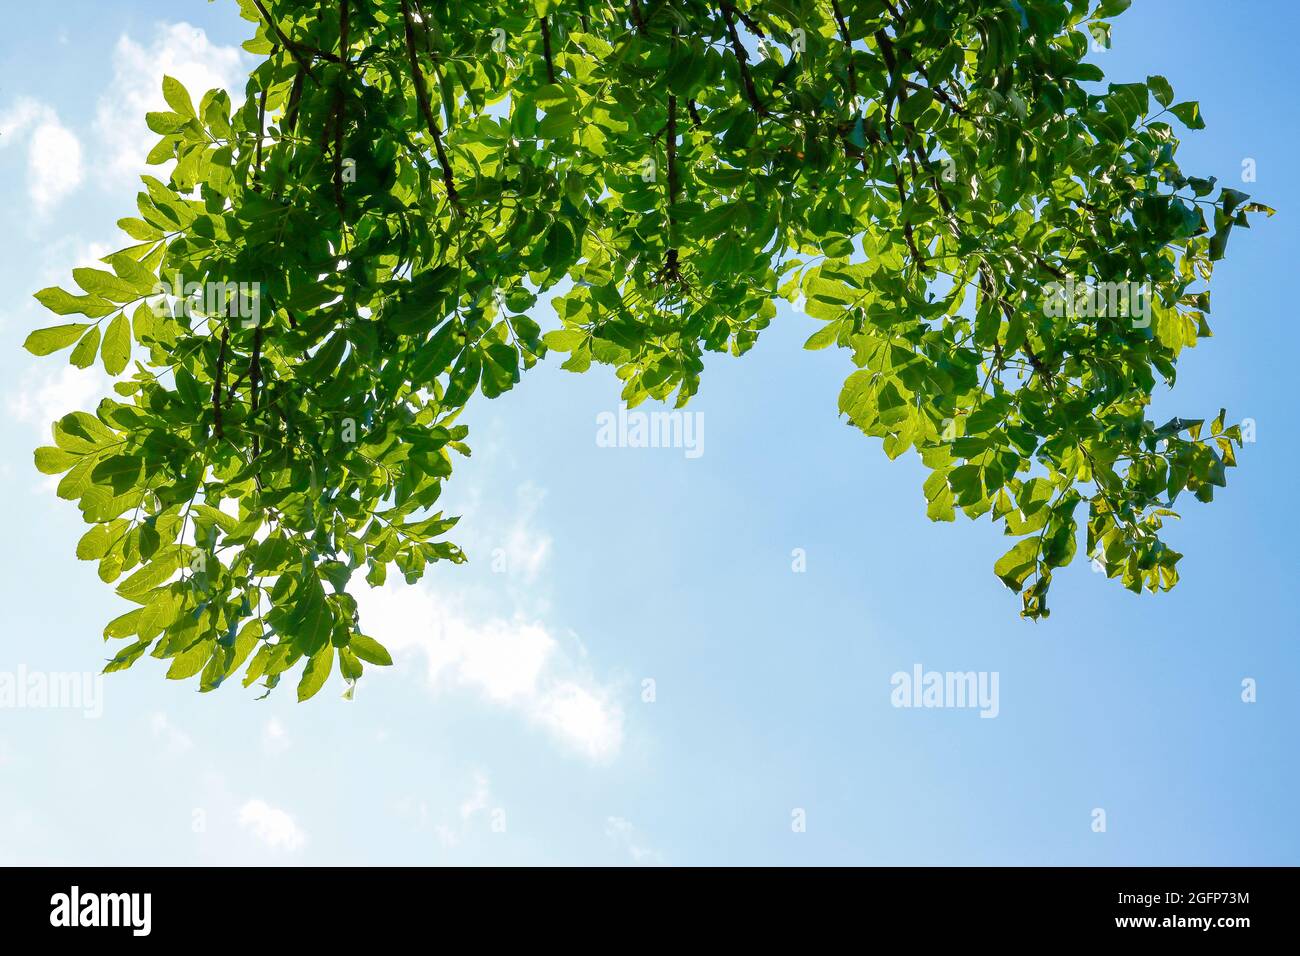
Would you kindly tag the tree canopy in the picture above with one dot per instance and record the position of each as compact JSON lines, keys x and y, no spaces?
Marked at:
{"x":324,"y":274}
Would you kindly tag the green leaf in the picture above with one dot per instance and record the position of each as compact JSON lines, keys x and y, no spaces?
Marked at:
{"x":95,"y":543}
{"x":190,"y":661}
{"x":127,"y":656}
{"x":316,"y":673}
{"x":177,"y":97}
{"x":370,"y":650}
{"x":1160,"y":89}
{"x":83,"y":356}
{"x":97,"y":282}
{"x":61,"y":302}
{"x":917,"y":103}
{"x":45,"y":341}
{"x":120,"y":472}
{"x":54,"y":461}
{"x":124,"y":626}
{"x":139,"y":229}
{"x":1189,"y":113}
{"x":117,"y":345}
{"x":1018,"y":563}
{"x":312,"y":620}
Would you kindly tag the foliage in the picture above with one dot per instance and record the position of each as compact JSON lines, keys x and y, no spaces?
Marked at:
{"x":404,"y":180}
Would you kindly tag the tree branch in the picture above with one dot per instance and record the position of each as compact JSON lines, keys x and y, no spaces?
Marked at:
{"x":887,"y":51}
{"x":938,"y":91}
{"x":288,"y":44}
{"x":742,"y":57}
{"x":422,"y":97}
{"x":261,"y":132}
{"x":750,"y":24}
{"x":546,"y":50}
{"x":340,"y":109}
{"x":254,"y":380}
{"x":671,"y":271}
{"x":295,"y":100}
{"x":848,"y":50}
{"x":218,"y":378}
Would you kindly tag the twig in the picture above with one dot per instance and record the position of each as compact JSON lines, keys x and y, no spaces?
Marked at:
{"x":340,"y":108}
{"x":742,"y":57}
{"x":254,"y":380}
{"x":217,"y":378}
{"x":848,"y":50}
{"x":422,"y":97}
{"x":289,"y":45}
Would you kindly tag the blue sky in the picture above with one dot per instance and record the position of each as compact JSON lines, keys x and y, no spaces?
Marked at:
{"x":514,"y":727}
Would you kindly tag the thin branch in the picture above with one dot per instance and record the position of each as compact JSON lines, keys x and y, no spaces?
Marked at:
{"x":1048,"y":267}
{"x":217,"y":379}
{"x":340,"y":108}
{"x":254,"y":380}
{"x":742,"y":57}
{"x":896,"y":86}
{"x":848,"y":50}
{"x":751,"y":24}
{"x":853,"y":83}
{"x":672,"y":151}
{"x":289,"y":45}
{"x":422,"y":97}
{"x":938,"y":91}
{"x":261,"y":132}
{"x":295,"y":100}
{"x":671,"y":272}
{"x":546,"y":50}
{"x":990,"y":290}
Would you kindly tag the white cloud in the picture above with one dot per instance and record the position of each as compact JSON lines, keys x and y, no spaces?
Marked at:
{"x":54,"y":154}
{"x":510,"y":544}
{"x":272,"y":826}
{"x":582,"y":715}
{"x":479,"y":799}
{"x":275,"y":739}
{"x":515,"y":662}
{"x":48,"y":390}
{"x":59,"y":258}
{"x":88,"y":254}
{"x":175,"y":739}
{"x":179,"y":50}
{"x":625,"y":835}
{"x":44,"y":394}
{"x":19,"y":118}
{"x":527,"y":549}
{"x":53,"y":164}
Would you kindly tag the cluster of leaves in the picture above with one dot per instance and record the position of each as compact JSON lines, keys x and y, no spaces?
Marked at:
{"x":403,"y":181}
